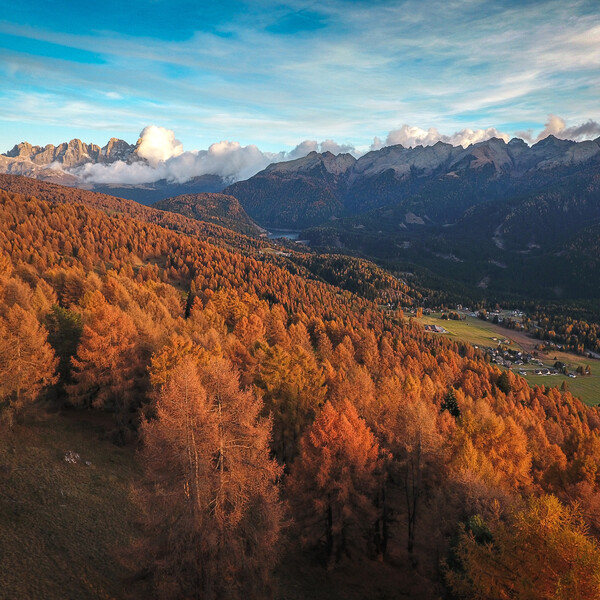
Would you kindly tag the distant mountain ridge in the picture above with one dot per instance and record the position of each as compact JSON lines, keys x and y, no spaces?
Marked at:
{"x":149,"y":193}
{"x":58,"y":164}
{"x":61,"y":164}
{"x":437,"y":183}
{"x":74,"y":153}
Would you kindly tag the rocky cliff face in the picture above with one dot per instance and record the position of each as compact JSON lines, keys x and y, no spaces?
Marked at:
{"x":328,"y":162}
{"x":116,"y":149}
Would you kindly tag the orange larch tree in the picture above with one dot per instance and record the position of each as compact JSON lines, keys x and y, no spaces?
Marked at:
{"x":212,"y":505}
{"x":27,"y":361}
{"x":543,"y":551}
{"x":107,"y":373}
{"x":334,"y":483}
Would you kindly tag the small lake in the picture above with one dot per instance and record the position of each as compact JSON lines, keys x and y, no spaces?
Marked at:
{"x":288,"y":234}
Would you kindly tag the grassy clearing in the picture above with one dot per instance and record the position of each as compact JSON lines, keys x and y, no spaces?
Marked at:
{"x":472,"y":330}
{"x":483,"y":333}
{"x":63,"y":526}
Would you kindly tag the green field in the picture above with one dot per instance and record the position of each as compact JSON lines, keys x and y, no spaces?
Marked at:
{"x":484,"y":334}
{"x":472,"y":330}
{"x":586,"y":388}
{"x":64,"y":527}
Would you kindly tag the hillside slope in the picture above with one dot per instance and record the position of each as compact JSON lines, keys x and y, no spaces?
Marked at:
{"x":402,"y":437}
{"x":219,"y":209}
{"x":65,"y":527}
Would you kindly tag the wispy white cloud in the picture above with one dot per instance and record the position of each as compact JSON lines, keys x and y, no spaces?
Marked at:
{"x":367,"y":69}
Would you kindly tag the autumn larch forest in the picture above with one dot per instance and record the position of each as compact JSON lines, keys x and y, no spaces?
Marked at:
{"x":285,"y":437}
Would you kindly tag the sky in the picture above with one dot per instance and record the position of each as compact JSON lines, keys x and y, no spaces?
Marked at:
{"x":339,"y":74}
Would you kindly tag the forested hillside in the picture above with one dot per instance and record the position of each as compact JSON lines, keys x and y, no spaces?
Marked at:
{"x":220,"y":209}
{"x":295,"y":438}
{"x":493,"y":221}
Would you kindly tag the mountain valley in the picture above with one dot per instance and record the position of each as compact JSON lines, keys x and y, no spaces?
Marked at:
{"x":494,"y":220}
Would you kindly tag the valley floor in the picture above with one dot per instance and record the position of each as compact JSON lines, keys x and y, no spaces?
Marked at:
{"x":486,"y":334}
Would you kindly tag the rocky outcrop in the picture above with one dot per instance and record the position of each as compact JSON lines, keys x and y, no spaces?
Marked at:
{"x":116,"y":149}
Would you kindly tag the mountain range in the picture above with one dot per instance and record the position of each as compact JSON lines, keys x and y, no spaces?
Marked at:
{"x":436,"y":183}
{"x":494,"y":219}
{"x":52,"y":163}
{"x":63,"y":163}
{"x":497,"y":218}
{"x":73,"y":153}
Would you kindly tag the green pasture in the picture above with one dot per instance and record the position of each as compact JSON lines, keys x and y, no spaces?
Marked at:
{"x":472,"y":330}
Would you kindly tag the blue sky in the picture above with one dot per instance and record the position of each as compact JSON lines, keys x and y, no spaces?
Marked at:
{"x":276,"y":73}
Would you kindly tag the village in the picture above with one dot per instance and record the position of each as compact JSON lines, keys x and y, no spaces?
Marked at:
{"x":529,"y":358}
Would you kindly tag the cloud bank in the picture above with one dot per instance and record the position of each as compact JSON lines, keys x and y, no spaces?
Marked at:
{"x":557,"y":127}
{"x":164,"y":158}
{"x":158,"y":144}
{"x":410,"y":136}
{"x":160,"y":155}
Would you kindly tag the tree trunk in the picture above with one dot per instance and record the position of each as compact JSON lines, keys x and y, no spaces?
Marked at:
{"x":329,"y":534}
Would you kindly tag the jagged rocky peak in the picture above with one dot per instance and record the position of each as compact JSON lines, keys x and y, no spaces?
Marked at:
{"x":22,"y":150}
{"x":116,"y":149}
{"x":48,"y":154}
{"x":495,"y":152}
{"x":552,"y":141}
{"x":338,"y":164}
{"x":77,"y":153}
{"x":69,"y":154}
{"x":516,"y":147}
{"x":403,"y":161}
{"x":73,"y":153}
{"x":552,"y":152}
